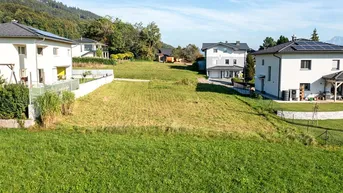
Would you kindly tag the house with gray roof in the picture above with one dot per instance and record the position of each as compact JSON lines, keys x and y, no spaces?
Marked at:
{"x":225,"y":60}
{"x":33,"y":56}
{"x":164,"y":55}
{"x":85,"y":47}
{"x":300,"y":70}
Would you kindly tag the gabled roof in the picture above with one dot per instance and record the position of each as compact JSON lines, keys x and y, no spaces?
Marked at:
{"x":87,"y":41}
{"x":234,"y":46}
{"x":165,"y":51}
{"x":338,"y":76}
{"x":226,"y":67}
{"x":16,"y":30}
{"x":301,"y":46}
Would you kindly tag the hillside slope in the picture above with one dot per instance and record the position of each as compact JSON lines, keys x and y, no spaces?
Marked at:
{"x":47,"y":15}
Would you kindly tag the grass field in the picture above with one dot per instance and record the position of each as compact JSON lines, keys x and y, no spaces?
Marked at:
{"x":308,"y":107}
{"x":168,"y":135}
{"x":62,"y":161}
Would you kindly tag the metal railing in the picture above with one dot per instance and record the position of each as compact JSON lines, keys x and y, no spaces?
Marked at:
{"x":58,"y":87}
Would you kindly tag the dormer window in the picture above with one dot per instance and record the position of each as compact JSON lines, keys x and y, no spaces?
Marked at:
{"x":234,"y":61}
{"x":225,"y":50}
{"x":227,"y":61}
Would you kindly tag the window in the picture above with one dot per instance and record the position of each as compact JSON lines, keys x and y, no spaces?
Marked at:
{"x":335,"y":64}
{"x":269,"y":73}
{"x":55,"y":51}
{"x":306,"y":64}
{"x":22,"y":50}
{"x":88,"y":47}
{"x":227,"y":61}
{"x":215,"y":50}
{"x":262,"y":62}
{"x":41,"y":75}
{"x":40,"y":51}
{"x":234,"y":61}
{"x":306,"y":86}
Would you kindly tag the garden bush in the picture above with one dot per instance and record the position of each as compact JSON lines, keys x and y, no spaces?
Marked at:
{"x":95,"y":61}
{"x":48,"y":106}
{"x":14,"y":101}
{"x":68,"y":99}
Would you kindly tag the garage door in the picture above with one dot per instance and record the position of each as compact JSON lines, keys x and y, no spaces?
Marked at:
{"x":214,"y":74}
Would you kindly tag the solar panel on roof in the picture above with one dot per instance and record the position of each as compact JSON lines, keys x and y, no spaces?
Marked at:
{"x":48,"y":34}
{"x":302,"y":43}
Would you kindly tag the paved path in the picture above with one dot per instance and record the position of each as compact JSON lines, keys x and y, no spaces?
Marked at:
{"x":130,"y":80}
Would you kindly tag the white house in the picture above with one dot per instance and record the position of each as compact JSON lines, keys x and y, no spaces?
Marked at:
{"x":33,"y":56}
{"x":225,"y":60}
{"x":85,"y":47}
{"x":300,"y":70}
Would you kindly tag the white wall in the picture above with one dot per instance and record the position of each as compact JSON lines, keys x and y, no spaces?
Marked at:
{"x":270,"y":87}
{"x":47,"y":61}
{"x":321,"y":65}
{"x":89,"y":87}
{"x":78,"y":52}
{"x":221,"y":56}
{"x":292,"y":74}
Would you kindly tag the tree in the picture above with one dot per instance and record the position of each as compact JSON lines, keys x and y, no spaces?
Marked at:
{"x":268,"y":42}
{"x":177,"y":52}
{"x":314,"y":36}
{"x":282,"y":39}
{"x":151,"y":37}
{"x":250,"y":69}
{"x":191,"y":52}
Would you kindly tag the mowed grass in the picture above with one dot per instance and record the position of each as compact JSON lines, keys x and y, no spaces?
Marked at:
{"x":167,"y":105}
{"x":153,"y":70}
{"x":308,"y":107}
{"x":62,"y":161}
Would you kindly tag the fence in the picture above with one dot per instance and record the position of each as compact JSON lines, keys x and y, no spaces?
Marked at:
{"x":57,"y":87}
{"x":93,"y":73}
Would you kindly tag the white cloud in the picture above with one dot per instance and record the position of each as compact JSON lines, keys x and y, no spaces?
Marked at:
{"x":254,"y":18}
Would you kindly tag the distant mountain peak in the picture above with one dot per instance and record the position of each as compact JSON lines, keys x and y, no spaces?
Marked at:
{"x":338,"y":40}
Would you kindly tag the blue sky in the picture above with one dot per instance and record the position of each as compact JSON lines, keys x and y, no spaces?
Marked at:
{"x":250,"y":21}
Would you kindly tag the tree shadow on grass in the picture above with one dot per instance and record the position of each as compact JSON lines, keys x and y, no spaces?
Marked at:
{"x":187,"y":67}
{"x":203,"y":87}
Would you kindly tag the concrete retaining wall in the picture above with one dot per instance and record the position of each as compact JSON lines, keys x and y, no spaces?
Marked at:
{"x":13,"y":123}
{"x":89,"y":87}
{"x":309,"y":115}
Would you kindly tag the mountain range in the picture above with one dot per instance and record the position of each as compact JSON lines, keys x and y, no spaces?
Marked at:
{"x":338,"y":40}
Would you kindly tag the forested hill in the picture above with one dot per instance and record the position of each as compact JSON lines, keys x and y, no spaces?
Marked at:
{"x":47,"y":15}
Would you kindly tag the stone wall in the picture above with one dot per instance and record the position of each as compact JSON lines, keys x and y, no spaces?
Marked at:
{"x":13,"y":123}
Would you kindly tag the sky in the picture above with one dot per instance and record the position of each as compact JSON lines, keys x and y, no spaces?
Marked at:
{"x":207,"y":21}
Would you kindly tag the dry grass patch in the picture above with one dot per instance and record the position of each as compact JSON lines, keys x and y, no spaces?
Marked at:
{"x":166,"y":105}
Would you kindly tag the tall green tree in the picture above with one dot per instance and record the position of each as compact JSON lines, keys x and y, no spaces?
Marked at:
{"x":282,"y":39}
{"x":315,"y":36}
{"x":178,"y":53}
{"x":151,"y":37}
{"x":250,"y":68}
{"x":191,"y":52}
{"x":268,"y":42}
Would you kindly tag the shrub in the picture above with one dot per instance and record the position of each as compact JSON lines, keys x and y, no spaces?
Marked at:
{"x":98,"y":53}
{"x":122,"y":56}
{"x":14,"y":100}
{"x":48,"y":106}
{"x":235,"y":79}
{"x":68,"y":99}
{"x":95,"y":61}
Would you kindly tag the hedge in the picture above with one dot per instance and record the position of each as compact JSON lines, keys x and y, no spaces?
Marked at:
{"x":95,"y":61}
{"x":14,"y":101}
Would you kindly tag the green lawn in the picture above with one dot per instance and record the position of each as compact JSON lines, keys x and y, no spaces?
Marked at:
{"x":62,"y":161}
{"x":168,"y":135}
{"x":308,"y":107}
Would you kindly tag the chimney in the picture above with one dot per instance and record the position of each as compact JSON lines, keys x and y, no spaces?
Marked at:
{"x":294,"y":38}
{"x":226,"y":42}
{"x":238,"y":43}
